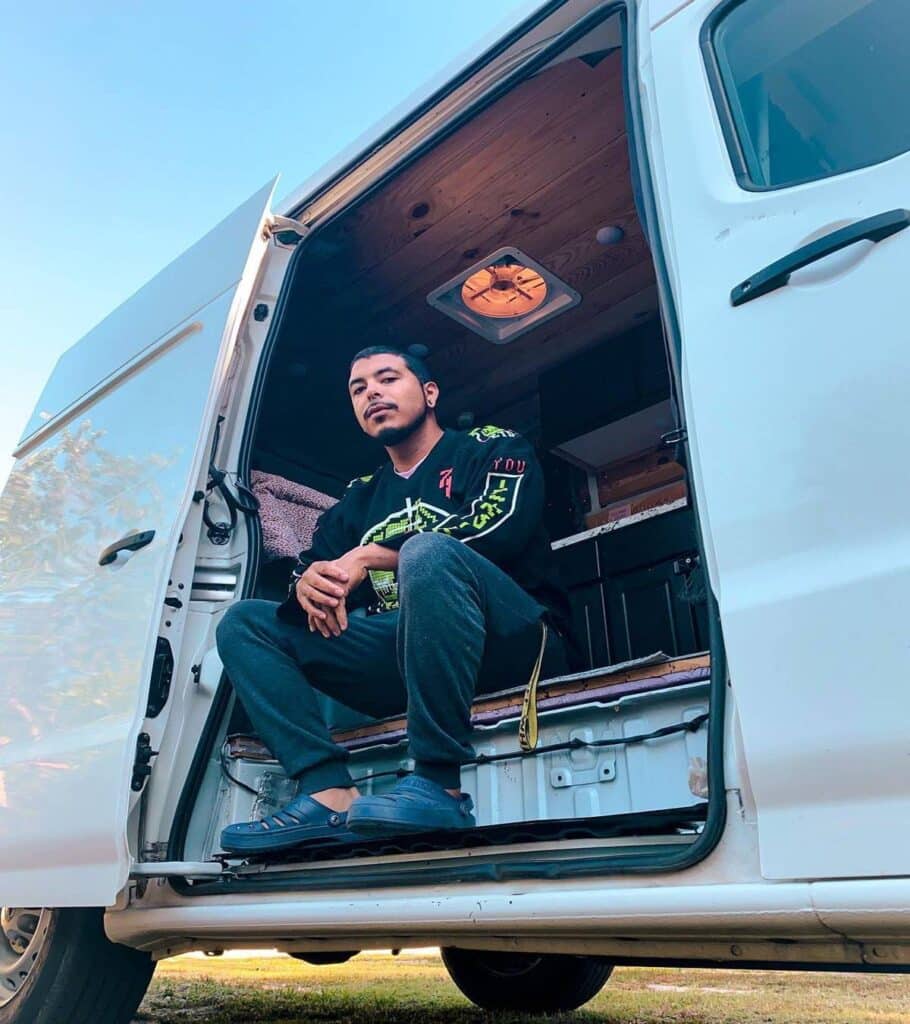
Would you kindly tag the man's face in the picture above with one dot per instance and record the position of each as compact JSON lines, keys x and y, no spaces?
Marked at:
{"x":389,"y":401}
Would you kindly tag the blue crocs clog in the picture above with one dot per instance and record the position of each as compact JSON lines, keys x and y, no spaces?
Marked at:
{"x":301,"y":820}
{"x":414,"y":805}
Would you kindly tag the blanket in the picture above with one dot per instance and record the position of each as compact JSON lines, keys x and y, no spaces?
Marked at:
{"x":288,"y":513}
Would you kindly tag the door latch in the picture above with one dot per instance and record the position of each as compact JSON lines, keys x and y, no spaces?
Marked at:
{"x":688,"y":563}
{"x":162,"y":676}
{"x":142,"y":766}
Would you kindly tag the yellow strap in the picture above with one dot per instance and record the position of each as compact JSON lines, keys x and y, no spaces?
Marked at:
{"x":527,"y":727}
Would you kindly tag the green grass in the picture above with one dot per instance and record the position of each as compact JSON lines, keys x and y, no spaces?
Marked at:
{"x":416,"y":988}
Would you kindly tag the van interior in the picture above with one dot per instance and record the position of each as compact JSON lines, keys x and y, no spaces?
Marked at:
{"x":512,"y":250}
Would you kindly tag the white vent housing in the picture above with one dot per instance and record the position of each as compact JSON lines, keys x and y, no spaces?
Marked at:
{"x":503,"y":295}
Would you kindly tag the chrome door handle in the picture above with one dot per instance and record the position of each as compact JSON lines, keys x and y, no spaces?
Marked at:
{"x":131,"y":542}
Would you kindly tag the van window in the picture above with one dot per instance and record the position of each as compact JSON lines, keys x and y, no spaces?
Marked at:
{"x":813,"y":88}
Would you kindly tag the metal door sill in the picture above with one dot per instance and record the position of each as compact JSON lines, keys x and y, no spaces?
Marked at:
{"x":521,"y":849}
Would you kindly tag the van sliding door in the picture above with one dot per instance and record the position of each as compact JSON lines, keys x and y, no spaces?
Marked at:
{"x":782,"y":180}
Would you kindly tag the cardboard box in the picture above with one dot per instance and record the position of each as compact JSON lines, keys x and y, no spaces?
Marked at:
{"x":636,"y":476}
{"x":640,"y":503}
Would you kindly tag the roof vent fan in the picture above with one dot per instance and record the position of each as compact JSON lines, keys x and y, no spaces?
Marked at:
{"x":503,"y":296}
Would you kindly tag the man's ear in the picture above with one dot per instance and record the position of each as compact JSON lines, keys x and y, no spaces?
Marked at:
{"x":431,"y":393}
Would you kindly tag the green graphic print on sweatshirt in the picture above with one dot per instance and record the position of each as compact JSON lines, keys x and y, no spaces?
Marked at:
{"x":484,"y":488}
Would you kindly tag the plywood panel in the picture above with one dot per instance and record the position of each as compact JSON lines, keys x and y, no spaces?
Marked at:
{"x":586,"y":265}
{"x":495,"y":156}
{"x":449,"y":342}
{"x":562,"y":207}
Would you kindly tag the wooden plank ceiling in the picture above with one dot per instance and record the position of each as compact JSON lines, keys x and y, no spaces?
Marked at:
{"x":541,"y":169}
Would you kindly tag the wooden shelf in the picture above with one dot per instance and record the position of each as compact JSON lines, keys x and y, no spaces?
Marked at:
{"x":619,"y":524}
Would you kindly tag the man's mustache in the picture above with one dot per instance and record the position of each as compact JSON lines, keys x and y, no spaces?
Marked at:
{"x":379,"y":407}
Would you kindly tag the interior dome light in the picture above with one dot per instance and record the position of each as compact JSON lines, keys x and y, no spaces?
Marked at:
{"x":504,"y":289}
{"x":612,"y":234}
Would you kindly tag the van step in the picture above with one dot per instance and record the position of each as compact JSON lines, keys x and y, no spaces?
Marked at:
{"x":672,"y":821}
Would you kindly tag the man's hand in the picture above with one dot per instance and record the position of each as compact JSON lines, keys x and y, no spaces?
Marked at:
{"x":319,"y":591}
{"x":323,"y":590}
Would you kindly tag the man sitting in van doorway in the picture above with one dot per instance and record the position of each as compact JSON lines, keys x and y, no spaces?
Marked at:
{"x":428,"y":582}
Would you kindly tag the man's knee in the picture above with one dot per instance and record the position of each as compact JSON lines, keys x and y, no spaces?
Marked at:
{"x":425,"y":555}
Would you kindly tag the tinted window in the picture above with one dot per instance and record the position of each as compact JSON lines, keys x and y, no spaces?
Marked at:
{"x":815,"y":87}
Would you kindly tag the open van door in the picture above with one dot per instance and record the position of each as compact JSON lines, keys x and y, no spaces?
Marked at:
{"x":780,"y":143}
{"x":89,"y":524}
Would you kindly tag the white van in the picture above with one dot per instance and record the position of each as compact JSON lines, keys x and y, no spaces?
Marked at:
{"x":709,"y":199}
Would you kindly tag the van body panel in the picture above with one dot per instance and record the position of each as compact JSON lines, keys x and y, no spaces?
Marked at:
{"x":688,"y":914}
{"x":211,"y":266}
{"x":659,"y":11}
{"x":77,"y":638}
{"x":796,"y":411}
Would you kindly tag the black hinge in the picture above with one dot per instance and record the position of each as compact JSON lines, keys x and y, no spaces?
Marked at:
{"x":162,"y":674}
{"x":142,"y":766}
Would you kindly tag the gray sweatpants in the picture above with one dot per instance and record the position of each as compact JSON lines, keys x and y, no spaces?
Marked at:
{"x":463,"y":627}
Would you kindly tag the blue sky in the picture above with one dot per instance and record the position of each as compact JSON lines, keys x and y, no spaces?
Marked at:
{"x":129,"y":129}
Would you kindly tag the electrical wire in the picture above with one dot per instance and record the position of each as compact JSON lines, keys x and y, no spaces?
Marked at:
{"x":225,"y":771}
{"x":576,"y":743}
{"x":244,"y":501}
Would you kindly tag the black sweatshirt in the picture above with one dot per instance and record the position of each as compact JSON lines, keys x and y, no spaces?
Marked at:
{"x":484,"y":488}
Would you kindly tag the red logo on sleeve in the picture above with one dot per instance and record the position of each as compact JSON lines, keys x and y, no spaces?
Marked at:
{"x":445,"y":482}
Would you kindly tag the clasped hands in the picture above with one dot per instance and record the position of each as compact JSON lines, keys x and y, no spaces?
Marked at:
{"x":322,"y":591}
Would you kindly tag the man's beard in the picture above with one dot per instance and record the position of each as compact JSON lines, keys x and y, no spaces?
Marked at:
{"x":389,"y":437}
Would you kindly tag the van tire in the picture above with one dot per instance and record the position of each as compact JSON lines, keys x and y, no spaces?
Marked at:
{"x":80,"y":976}
{"x":526,"y":982}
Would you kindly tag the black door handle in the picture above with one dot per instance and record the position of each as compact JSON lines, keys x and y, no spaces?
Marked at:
{"x":777,"y":274}
{"x":131,"y":542}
